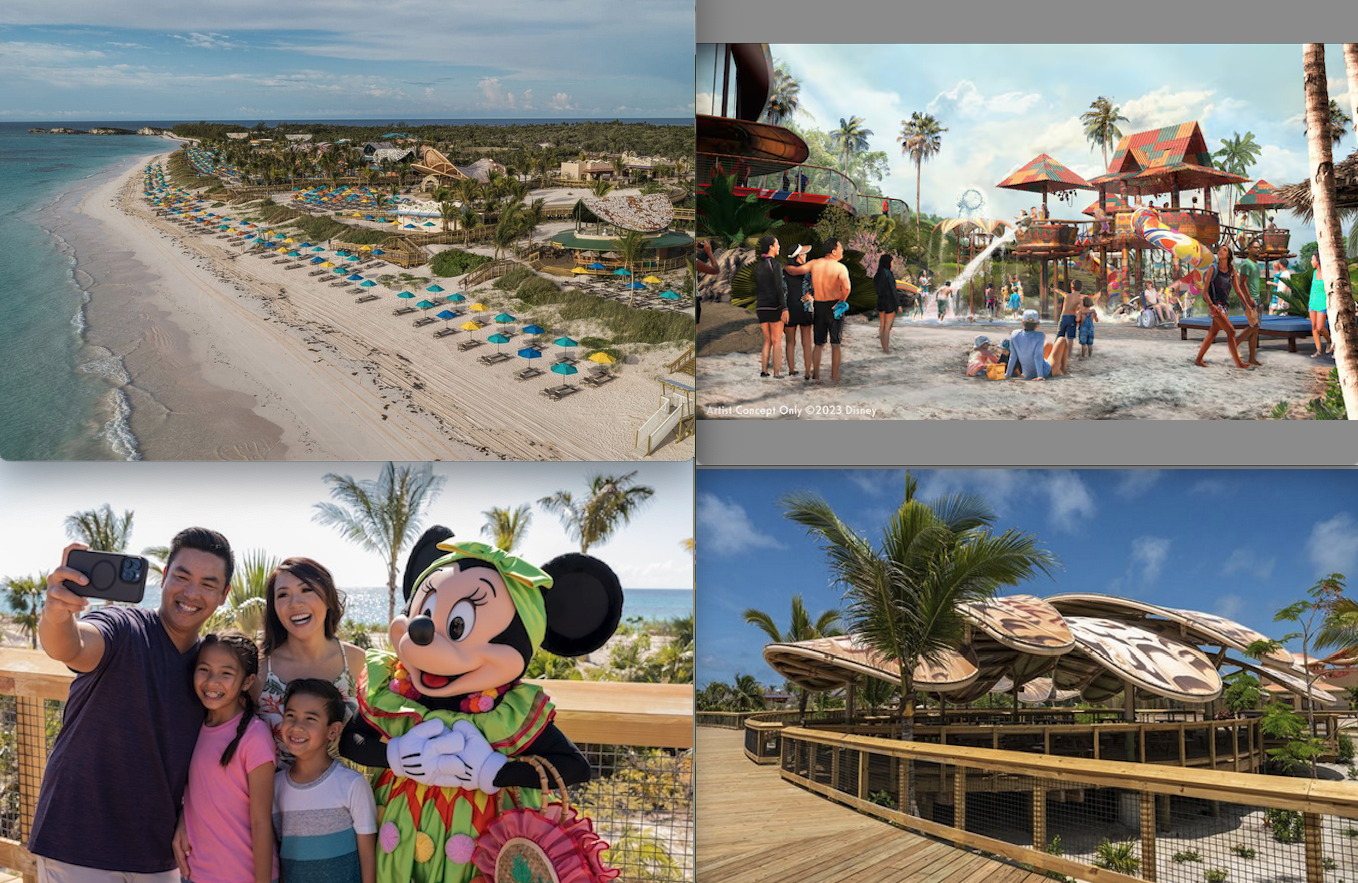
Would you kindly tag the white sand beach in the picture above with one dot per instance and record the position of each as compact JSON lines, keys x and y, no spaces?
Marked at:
{"x":254,"y":361}
{"x":1133,"y":373}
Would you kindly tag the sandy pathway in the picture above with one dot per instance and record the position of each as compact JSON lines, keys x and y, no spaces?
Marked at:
{"x":1134,"y":373}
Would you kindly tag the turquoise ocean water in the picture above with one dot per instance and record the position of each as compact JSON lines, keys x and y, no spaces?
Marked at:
{"x":369,"y":605}
{"x":60,"y":396}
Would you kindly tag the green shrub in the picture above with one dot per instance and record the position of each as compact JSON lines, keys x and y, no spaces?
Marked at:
{"x":1328,"y":863}
{"x":1243,"y":851}
{"x":455,"y":262}
{"x":1350,"y":832}
{"x":1215,"y":875}
{"x":1345,"y":749}
{"x":538,"y":291}
{"x":1286,"y":824}
{"x":513,"y":279}
{"x":1119,"y":857}
{"x":1187,"y":855}
{"x":625,"y":325}
{"x":883,"y":798}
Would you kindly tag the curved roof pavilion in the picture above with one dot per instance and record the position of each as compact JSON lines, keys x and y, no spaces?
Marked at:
{"x":1089,"y":645}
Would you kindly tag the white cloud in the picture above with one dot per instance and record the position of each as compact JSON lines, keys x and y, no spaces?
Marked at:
{"x":1209,"y":487}
{"x":965,"y":99}
{"x":1165,"y":107}
{"x":875,"y":482}
{"x":527,"y":100}
{"x":998,"y":487}
{"x":703,"y":103}
{"x":128,"y":45}
{"x":1333,"y":545}
{"x":20,"y":54}
{"x":561,"y":101}
{"x":1071,"y":500}
{"x":1136,"y":482}
{"x":1149,"y":555}
{"x":1250,"y":563}
{"x":208,"y":41}
{"x":1229,"y":606}
{"x":727,"y":529}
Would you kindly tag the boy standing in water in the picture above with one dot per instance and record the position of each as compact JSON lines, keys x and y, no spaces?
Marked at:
{"x":1067,"y":330}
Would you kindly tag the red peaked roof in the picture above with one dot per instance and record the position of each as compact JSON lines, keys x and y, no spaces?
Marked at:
{"x":1045,"y":175}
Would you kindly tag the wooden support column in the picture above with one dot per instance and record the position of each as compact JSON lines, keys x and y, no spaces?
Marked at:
{"x":1148,"y":827}
{"x":959,"y":798}
{"x":1162,"y":817}
{"x":863,"y":775}
{"x":1039,"y":818}
{"x":834,"y":766}
{"x":1315,"y":868}
{"x":1235,"y":747}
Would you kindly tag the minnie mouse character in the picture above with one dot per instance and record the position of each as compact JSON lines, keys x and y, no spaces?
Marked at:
{"x":446,"y":712}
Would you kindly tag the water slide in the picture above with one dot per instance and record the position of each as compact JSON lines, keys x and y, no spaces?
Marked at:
{"x":1117,"y":280}
{"x":1189,"y":251}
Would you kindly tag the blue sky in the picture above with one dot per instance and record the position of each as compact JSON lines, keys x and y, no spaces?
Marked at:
{"x":326,"y":59}
{"x":269,"y":506}
{"x":1241,"y":544}
{"x":1003,"y":105}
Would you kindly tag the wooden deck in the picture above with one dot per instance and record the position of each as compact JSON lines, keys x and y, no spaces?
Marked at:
{"x":752,"y":826}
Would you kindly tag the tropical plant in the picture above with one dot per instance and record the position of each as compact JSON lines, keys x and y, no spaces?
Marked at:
{"x":921,"y":138}
{"x":1186,"y":855}
{"x":552,"y":667}
{"x":1117,"y":857}
{"x":1101,"y":124}
{"x":245,"y":601}
{"x":801,"y":628}
{"x":629,"y":248}
{"x":507,"y":527}
{"x":448,"y":212}
{"x":851,"y":138}
{"x":1237,"y":156}
{"x":904,"y":594}
{"x":467,"y":218}
{"x":731,"y":219}
{"x":513,"y":220}
{"x":610,"y":503}
{"x":25,"y":595}
{"x":1286,"y":824}
{"x":1242,"y":693}
{"x":1311,"y":616}
{"x":1344,"y":326}
{"x":1244,"y":851}
{"x":784,"y":96}
{"x":100,"y":529}
{"x":381,"y":516}
{"x":601,"y":187}
{"x":1215,"y":875}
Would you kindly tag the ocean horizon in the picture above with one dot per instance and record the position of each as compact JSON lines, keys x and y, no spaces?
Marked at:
{"x":370,"y":121}
{"x":368,"y":604}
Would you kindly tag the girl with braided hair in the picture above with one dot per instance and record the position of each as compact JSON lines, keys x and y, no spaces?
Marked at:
{"x":228,"y":804}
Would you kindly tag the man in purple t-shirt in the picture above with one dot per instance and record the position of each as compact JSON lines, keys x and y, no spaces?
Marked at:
{"x":115,"y":779}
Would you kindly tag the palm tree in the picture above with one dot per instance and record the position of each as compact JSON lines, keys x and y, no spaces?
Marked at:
{"x":601,"y":187}
{"x":382,"y":516}
{"x":467,"y":219}
{"x":448,"y":212}
{"x":532,"y":217}
{"x":629,"y":248}
{"x":468,"y":191}
{"x":1328,"y":232}
{"x":610,"y":502}
{"x":851,"y":138}
{"x":1351,"y":69}
{"x":1101,"y":124}
{"x":801,"y":629}
{"x":747,"y":694}
{"x":507,"y":526}
{"x":904,"y":593}
{"x":509,"y":227}
{"x":245,"y":601}
{"x":100,"y":529}
{"x":1236,"y":156}
{"x":25,"y":595}
{"x":784,"y":97}
{"x":921,"y":137}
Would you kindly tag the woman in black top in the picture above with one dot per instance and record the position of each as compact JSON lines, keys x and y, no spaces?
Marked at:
{"x":770,"y":302}
{"x":800,"y":317}
{"x":1218,"y":283}
{"x":885,"y":284}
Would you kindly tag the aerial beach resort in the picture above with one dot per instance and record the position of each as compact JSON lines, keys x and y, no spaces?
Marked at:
{"x":1149,"y":241}
{"x":352,"y":298}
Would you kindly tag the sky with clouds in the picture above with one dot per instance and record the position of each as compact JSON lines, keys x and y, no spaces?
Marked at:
{"x":96,"y":60}
{"x":1241,"y":544}
{"x":1003,"y":105}
{"x":268,"y":506}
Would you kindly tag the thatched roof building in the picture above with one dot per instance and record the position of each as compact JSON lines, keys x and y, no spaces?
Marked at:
{"x":1298,"y":196}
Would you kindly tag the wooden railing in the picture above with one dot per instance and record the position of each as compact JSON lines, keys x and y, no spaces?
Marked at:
{"x":1175,"y":825}
{"x":685,"y":363}
{"x":637,"y":731}
{"x":492,"y":270}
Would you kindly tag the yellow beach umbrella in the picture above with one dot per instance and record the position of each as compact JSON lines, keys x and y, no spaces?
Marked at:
{"x":602,"y":358}
{"x":365,"y":248}
{"x":270,"y":233}
{"x":651,"y":280}
{"x":477,"y":308}
{"x":579,"y":270}
{"x":290,"y":241}
{"x":471,"y":326}
{"x":327,"y":265}
{"x":280,"y":250}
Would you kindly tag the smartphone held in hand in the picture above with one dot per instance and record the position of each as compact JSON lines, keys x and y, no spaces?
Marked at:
{"x":112,"y":577}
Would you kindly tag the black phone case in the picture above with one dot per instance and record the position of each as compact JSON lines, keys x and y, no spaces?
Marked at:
{"x":111,"y":585}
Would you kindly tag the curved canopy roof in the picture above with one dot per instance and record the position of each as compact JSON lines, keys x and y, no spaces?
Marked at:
{"x":1091,"y":644}
{"x":646,"y":214}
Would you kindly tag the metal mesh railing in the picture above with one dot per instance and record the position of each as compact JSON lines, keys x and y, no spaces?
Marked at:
{"x":641,"y":800}
{"x":1129,"y":820}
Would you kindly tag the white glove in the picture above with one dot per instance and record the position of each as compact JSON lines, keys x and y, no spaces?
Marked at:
{"x":408,"y":755}
{"x":480,"y":762}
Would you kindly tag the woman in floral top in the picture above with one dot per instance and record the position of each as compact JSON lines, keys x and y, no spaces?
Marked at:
{"x":303,"y":610}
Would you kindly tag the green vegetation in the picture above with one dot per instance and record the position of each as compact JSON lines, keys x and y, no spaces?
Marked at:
{"x":455,"y":262}
{"x":1345,"y":749}
{"x":883,"y":798}
{"x":1186,"y":855}
{"x":1286,"y":825}
{"x":625,"y":325}
{"x":513,"y":279}
{"x":729,"y":219}
{"x":1244,"y":851}
{"x":802,"y":628}
{"x":1242,"y":692}
{"x":1119,"y":857}
{"x":1215,"y":875}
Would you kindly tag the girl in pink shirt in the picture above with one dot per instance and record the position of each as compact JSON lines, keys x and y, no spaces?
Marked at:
{"x":228,"y":804}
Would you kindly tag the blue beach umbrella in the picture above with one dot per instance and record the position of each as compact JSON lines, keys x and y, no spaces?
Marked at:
{"x":426,"y":304}
{"x":405,"y":295}
{"x":352,"y":257}
{"x":504,"y":318}
{"x":622,"y":271}
{"x":339,"y":271}
{"x":634,"y":286}
{"x":529,"y":353}
{"x":669,"y":295}
{"x":355,"y":278}
{"x":597,"y":266}
{"x":533,"y":329}
{"x":378,"y":251}
{"x":456,"y":298}
{"x":498,"y":339}
{"x":367,"y":283}
{"x":435,"y":288}
{"x":565,"y":369}
{"x":318,"y":260}
{"x":445,"y":315}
